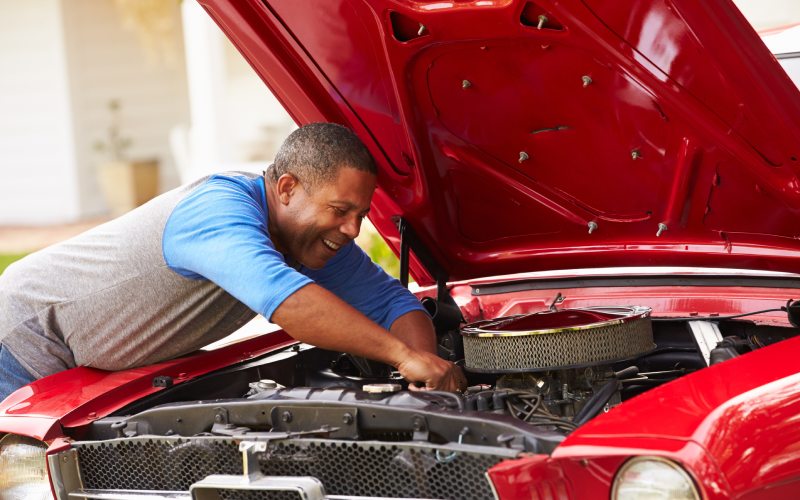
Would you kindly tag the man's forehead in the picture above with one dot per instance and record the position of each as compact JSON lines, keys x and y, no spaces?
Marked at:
{"x":352,"y":176}
{"x":351,"y":186}
{"x":348,"y":205}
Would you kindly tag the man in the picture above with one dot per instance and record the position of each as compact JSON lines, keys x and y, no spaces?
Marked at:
{"x":196,"y":263}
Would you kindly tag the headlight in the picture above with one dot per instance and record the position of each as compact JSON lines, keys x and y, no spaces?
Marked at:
{"x":653,"y":478}
{"x":23,"y":469}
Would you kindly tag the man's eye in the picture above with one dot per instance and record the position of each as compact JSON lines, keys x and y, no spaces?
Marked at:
{"x":340,"y":212}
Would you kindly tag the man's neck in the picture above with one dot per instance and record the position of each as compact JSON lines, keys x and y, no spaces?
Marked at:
{"x":272,"y":226}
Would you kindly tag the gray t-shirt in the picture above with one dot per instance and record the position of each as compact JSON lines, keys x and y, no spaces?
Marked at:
{"x":66,"y":305}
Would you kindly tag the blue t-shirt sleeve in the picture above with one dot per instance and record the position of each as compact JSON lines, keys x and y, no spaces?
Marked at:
{"x":354,"y":278}
{"x":219,"y":233}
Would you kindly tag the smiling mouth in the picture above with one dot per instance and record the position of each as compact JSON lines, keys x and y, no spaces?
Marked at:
{"x":333,"y":247}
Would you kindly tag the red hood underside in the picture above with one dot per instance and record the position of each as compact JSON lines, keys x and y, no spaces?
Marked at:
{"x":502,"y":142}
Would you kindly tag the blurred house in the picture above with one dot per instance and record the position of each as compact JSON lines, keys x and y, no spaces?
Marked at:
{"x":185,"y":97}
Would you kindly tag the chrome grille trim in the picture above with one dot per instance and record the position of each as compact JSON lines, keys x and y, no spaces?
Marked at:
{"x":129,"y":495}
{"x":172,"y":495}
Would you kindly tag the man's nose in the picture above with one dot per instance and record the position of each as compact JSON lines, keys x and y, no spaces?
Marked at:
{"x":351,"y":228}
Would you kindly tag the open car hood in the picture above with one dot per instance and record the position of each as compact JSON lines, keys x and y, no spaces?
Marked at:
{"x":514,"y":136}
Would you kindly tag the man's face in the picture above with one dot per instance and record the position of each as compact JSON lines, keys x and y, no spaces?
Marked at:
{"x":319,"y":222}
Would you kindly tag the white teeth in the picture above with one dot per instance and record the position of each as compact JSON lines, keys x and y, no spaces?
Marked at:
{"x":333,"y":246}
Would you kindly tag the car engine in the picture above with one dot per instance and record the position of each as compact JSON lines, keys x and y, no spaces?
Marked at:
{"x":328,"y":418}
{"x":554,"y":367}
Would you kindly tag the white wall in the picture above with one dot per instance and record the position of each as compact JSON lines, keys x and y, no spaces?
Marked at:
{"x":109,"y":62}
{"x":255,"y":121}
{"x":61,"y":62}
{"x":37,"y":161}
{"x":237,"y":124}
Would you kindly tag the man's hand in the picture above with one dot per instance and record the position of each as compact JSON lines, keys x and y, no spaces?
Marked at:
{"x":433,"y":371}
{"x":416,"y":330}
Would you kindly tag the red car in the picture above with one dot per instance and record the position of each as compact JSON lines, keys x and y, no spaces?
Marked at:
{"x":628,"y":172}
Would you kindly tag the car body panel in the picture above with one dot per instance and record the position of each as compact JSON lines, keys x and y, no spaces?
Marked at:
{"x":530,"y":477}
{"x":589,"y":474}
{"x":504,"y":299}
{"x":76,"y":397}
{"x":741,"y":413}
{"x":711,"y":398}
{"x":661,"y":132}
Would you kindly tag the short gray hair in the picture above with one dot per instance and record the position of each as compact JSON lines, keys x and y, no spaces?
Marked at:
{"x":314,"y":154}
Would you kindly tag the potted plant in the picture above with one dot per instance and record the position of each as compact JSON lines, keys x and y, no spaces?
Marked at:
{"x":125,"y":183}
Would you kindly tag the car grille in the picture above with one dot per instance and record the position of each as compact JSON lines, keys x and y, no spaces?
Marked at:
{"x":155,"y":464}
{"x":348,"y":468}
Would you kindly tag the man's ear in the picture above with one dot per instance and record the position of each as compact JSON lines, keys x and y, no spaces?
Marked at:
{"x":285,"y":187}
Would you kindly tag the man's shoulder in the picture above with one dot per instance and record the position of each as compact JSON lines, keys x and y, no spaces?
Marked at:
{"x":247,"y":183}
{"x":237,"y":177}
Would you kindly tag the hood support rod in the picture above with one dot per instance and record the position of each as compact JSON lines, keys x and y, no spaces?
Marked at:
{"x":410,"y":241}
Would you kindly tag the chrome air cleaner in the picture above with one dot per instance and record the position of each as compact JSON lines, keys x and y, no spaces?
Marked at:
{"x":564,"y":338}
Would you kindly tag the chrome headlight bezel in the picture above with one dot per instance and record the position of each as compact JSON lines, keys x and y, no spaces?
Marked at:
{"x":656,"y":462}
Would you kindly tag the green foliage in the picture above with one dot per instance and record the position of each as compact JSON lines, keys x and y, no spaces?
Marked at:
{"x":381,"y":254}
{"x":6,"y":259}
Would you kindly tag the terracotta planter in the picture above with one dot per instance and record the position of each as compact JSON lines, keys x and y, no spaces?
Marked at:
{"x":126,"y":185}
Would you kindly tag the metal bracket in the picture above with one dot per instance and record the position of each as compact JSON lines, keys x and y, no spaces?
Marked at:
{"x":220,"y":415}
{"x":250,"y":469}
{"x":334,"y":423}
{"x":556,"y":300}
{"x":410,"y":241}
{"x":420,"y":426}
{"x":64,"y":472}
{"x":229,"y":430}
{"x":706,"y":336}
{"x":124,"y":428}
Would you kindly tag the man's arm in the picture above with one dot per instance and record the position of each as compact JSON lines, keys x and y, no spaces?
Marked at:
{"x":318,"y":317}
{"x":416,"y":330}
{"x":353,"y":277}
{"x":219,"y":233}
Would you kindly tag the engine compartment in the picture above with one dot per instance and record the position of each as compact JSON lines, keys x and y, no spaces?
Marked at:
{"x":309,"y":415}
{"x":307,"y":392}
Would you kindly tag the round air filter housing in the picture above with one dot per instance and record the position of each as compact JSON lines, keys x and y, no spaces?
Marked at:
{"x":566,"y":338}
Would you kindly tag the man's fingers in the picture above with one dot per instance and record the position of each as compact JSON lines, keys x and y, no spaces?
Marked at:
{"x":453,"y":380}
{"x":436,"y":373}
